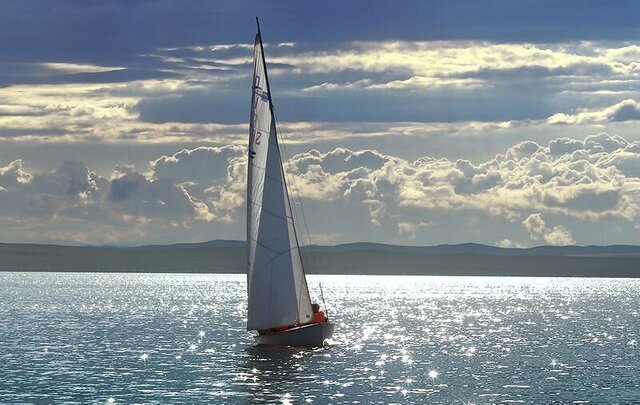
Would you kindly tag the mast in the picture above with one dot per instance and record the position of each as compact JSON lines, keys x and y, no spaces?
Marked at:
{"x":264,"y":64}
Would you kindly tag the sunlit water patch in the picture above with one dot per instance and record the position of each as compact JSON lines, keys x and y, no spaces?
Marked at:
{"x":133,"y":338}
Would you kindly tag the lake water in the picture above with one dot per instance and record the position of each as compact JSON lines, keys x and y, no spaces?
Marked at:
{"x":168,"y":338}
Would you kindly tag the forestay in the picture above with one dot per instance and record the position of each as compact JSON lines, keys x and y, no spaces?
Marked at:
{"x":277,"y":289}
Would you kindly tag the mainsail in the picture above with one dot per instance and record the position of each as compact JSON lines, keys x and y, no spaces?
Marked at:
{"x":277,"y":289}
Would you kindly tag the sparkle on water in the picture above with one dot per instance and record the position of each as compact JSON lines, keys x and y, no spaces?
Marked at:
{"x":132,"y":338}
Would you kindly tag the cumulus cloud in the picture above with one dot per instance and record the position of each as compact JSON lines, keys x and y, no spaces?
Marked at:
{"x":535,"y":225}
{"x":163,"y":195}
{"x":14,"y":174}
{"x":537,"y":228}
{"x":46,"y":194}
{"x":507,"y":243}
{"x":203,"y":164}
{"x":412,"y":228}
{"x":216,"y":174}
{"x":559,"y":236}
{"x":590,"y":180}
{"x":134,"y":194}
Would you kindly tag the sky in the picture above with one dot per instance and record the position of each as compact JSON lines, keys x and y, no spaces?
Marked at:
{"x":507,"y":123}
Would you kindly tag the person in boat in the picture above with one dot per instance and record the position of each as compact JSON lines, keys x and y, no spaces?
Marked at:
{"x":318,"y":316}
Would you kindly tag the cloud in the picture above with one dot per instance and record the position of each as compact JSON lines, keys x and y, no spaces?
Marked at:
{"x":14,"y":174}
{"x":414,"y":82}
{"x":471,"y":89}
{"x":78,"y":68}
{"x":135,"y":195}
{"x":587,"y":180}
{"x":506,"y":243}
{"x":148,"y":25}
{"x":535,"y":225}
{"x":73,"y":191}
{"x":46,"y":194}
{"x":216,"y":174}
{"x":412,"y":228}
{"x":573,"y":181}
{"x":446,"y":58}
{"x":199,"y":92}
{"x":559,"y":236}
{"x":203,"y":165}
{"x":625,"y":110}
{"x":537,"y":228}
{"x":428,"y":81}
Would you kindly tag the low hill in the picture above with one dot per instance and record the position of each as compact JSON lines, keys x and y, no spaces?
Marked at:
{"x":355,"y":258}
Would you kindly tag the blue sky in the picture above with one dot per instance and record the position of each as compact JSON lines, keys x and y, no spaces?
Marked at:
{"x":510,"y":123}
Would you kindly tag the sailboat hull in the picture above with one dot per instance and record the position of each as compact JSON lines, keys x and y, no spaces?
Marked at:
{"x":312,"y":335}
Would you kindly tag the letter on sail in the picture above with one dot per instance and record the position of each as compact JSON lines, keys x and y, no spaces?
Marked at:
{"x":277,"y":289}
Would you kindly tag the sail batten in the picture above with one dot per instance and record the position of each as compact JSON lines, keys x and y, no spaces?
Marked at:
{"x":277,"y":289}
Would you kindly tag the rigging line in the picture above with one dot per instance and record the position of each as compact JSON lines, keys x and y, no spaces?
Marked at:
{"x":273,"y":214}
{"x":298,"y":194}
{"x":267,"y":177}
{"x":311,"y":255}
{"x":292,"y":180}
{"x":293,"y":225}
{"x":270,"y":263}
{"x":326,"y":310}
{"x":277,"y":252}
{"x":274,"y":179}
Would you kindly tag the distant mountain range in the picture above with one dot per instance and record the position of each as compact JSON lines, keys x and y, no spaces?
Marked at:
{"x":228,"y":256}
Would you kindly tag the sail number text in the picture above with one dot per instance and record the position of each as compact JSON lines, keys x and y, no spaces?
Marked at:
{"x":255,"y":134}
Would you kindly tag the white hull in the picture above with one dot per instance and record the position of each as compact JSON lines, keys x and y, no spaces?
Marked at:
{"x":312,"y":335}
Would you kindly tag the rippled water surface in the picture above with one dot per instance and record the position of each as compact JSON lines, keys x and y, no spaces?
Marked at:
{"x":133,"y":338}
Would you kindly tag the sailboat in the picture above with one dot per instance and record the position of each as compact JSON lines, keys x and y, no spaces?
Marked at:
{"x":279,"y":307}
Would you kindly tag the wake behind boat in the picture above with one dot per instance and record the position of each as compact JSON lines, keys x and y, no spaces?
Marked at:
{"x":279,"y":308}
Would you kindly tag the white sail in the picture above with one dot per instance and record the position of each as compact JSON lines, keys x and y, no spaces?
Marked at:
{"x":277,"y":289}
